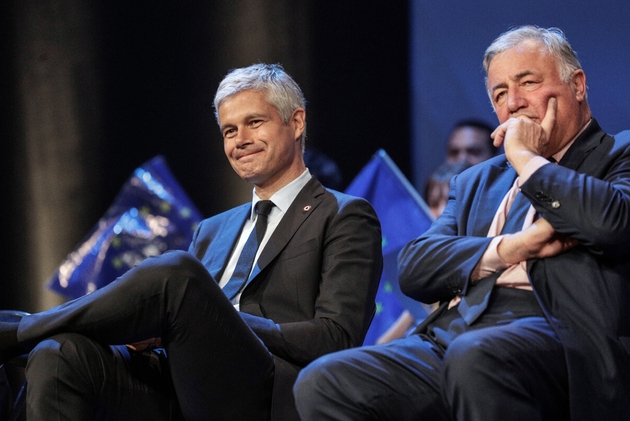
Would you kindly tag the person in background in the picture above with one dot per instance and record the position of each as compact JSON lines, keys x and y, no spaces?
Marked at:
{"x":470,"y":142}
{"x":231,"y":337}
{"x":530,"y":260}
{"x":438,"y":185}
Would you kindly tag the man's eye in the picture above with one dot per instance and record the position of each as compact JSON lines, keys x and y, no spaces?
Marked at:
{"x":530,"y":82}
{"x":228,"y":132}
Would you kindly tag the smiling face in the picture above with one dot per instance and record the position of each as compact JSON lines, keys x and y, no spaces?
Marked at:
{"x":260,"y":147}
{"x":523,"y":78}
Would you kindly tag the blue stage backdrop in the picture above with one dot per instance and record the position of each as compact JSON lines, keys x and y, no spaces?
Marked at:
{"x":151,"y":214}
{"x":448,"y":39}
{"x":404,"y":216}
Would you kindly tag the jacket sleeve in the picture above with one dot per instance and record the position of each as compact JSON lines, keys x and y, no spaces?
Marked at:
{"x":437,"y":266}
{"x":593,"y":208}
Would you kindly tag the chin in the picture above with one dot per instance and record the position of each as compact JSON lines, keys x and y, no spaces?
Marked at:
{"x":251,"y":177}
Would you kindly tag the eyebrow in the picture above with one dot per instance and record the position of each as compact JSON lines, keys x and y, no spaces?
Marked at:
{"x":246,"y":118}
{"x":516,"y":77}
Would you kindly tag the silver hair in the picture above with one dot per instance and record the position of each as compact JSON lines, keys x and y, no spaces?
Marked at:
{"x":280,"y":90}
{"x":552,"y":38}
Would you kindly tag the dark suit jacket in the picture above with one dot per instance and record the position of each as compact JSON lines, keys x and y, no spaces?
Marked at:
{"x":583,"y":291}
{"x":314,"y":286}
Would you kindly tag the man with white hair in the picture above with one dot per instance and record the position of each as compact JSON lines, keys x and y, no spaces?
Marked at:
{"x":530,"y":260}
{"x":221,"y":331}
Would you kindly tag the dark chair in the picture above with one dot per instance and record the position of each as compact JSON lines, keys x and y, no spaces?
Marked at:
{"x":15,"y":365}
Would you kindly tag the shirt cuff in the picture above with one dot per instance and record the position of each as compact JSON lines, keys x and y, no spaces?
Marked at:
{"x":531,"y":168}
{"x":490,"y":262}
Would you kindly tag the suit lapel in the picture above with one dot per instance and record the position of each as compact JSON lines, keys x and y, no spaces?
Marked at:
{"x":226,"y":239}
{"x":583,"y":145}
{"x":496,"y":184}
{"x":305,"y":203}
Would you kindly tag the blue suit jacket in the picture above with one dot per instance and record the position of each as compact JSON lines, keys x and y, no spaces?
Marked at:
{"x":313,"y":289}
{"x":583,"y":291}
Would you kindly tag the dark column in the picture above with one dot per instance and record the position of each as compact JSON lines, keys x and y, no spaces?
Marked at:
{"x":57,"y":141}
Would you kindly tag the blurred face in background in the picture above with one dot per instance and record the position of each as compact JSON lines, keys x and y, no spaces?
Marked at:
{"x":470,"y":145}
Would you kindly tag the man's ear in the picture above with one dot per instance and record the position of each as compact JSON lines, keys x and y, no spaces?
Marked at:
{"x":578,"y":84}
{"x":298,"y":120}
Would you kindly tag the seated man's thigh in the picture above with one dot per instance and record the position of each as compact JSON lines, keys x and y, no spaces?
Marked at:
{"x":395,"y":381}
{"x":511,"y":368}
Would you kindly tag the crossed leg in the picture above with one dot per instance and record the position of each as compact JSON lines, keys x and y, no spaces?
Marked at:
{"x":218,"y":365}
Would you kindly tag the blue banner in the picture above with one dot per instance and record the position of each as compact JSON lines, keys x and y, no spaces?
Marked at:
{"x":150,"y":215}
{"x":404,"y":216}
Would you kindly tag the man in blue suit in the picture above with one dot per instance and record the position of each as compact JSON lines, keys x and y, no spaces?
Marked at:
{"x":530,"y":259}
{"x":231,"y":353}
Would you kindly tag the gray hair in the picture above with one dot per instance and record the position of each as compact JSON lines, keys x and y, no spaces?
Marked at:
{"x":279,"y":89}
{"x":553,"y":39}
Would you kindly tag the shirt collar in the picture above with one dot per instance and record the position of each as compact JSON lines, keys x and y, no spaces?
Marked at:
{"x":286,"y":195}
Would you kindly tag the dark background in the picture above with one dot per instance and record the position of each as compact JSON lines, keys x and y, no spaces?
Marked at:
{"x":159,"y":78}
{"x":142,"y":76}
{"x":89,"y":90}
{"x":447,"y":42}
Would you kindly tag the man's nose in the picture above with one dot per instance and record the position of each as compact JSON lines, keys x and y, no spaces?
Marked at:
{"x":515,"y":101}
{"x":242,"y":138}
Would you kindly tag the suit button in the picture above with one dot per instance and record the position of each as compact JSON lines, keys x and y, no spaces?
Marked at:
{"x":555,"y":204}
{"x":543,"y":197}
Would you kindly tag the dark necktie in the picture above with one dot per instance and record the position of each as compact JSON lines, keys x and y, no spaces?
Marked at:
{"x":476,"y":301}
{"x":516,"y":215}
{"x":246,"y":259}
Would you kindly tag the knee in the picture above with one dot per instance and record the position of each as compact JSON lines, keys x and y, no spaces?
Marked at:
{"x":67,"y":357}
{"x":175,"y":268}
{"x":177,"y":263}
{"x":463,"y":351}
{"x":320,"y":380}
{"x":313,"y":376}
{"x":468,"y":360}
{"x":178,"y":260}
{"x":174,"y":265}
